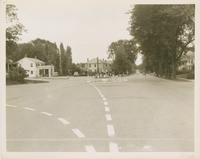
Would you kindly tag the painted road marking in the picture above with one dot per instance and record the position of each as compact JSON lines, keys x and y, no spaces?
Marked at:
{"x":28,"y":108}
{"x":45,"y":113}
{"x":108,"y":117}
{"x":78,"y":133}
{"x":104,"y":99}
{"x":147,"y":148}
{"x":63,"y":121}
{"x":90,"y":148}
{"x":12,"y":106}
{"x":111,"y":130}
{"x":107,"y":109}
{"x":105,"y":103}
{"x":102,"y":96}
{"x":113,"y":147}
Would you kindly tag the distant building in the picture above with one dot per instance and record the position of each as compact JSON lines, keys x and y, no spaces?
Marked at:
{"x":95,"y":65}
{"x":35,"y":67}
{"x":187,"y":62}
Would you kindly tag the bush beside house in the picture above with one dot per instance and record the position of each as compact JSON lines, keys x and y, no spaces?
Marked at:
{"x":16,"y":75}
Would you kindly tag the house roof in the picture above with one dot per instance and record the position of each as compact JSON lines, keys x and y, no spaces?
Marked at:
{"x":94,"y":60}
{"x":35,"y":60}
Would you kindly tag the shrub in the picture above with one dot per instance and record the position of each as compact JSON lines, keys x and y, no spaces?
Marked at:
{"x":17,"y":74}
{"x":190,"y":75}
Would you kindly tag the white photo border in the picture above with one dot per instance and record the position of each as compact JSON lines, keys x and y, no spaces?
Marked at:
{"x":120,"y":155}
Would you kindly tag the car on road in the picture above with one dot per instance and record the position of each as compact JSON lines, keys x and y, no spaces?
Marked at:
{"x":76,"y":74}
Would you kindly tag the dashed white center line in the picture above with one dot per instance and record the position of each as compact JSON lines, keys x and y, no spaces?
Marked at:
{"x":45,"y":113}
{"x":63,"y":121}
{"x":101,"y":95}
{"x":90,"y":148}
{"x":28,"y":108}
{"x":108,"y":117}
{"x":104,"y":99}
{"x":113,"y":147}
{"x":12,"y":106}
{"x":107,"y":109}
{"x":111,"y":130}
{"x":78,"y":133}
{"x":147,"y":148}
{"x":105,"y":103}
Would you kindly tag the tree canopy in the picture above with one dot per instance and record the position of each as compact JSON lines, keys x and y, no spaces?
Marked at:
{"x":164,"y":33}
{"x":13,"y":31}
{"x":123,"y":53}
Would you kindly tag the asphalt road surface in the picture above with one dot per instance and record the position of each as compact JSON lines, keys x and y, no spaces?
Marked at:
{"x":119,"y":114}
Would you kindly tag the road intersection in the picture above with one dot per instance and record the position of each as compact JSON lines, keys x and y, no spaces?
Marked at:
{"x":83,"y":114}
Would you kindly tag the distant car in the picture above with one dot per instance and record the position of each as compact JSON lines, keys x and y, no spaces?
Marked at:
{"x":76,"y":74}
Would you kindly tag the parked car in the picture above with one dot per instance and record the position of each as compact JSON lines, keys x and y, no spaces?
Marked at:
{"x":76,"y":74}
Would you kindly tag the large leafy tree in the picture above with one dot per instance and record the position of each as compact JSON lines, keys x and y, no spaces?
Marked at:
{"x":123,"y":53}
{"x":164,"y":33}
{"x":40,"y":48}
{"x":13,"y":31}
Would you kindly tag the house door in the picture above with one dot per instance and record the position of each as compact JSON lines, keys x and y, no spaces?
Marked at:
{"x":46,"y":73}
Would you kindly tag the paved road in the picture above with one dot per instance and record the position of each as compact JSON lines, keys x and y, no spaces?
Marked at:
{"x":128,"y":114}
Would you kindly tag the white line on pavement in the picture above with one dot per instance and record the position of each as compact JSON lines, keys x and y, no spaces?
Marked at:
{"x":104,"y":99}
{"x":45,"y":113}
{"x":147,"y":148}
{"x":111,"y":130}
{"x":108,"y":117}
{"x":113,"y":147}
{"x":107,"y":109}
{"x":12,"y":106}
{"x":101,"y":95}
{"x":105,"y":103}
{"x":63,"y":121}
{"x":78,"y":133}
{"x":90,"y":148}
{"x":28,"y":108}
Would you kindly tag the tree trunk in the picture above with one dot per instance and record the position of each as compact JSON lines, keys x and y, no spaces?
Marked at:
{"x":173,"y":73}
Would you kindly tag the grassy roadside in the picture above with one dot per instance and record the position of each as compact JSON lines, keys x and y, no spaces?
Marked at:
{"x":10,"y":82}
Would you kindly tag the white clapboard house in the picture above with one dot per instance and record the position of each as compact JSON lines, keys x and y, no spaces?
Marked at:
{"x":35,"y":67}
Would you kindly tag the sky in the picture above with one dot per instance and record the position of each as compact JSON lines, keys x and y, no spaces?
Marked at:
{"x":88,"y":26}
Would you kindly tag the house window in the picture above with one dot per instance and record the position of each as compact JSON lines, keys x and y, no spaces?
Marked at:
{"x":95,"y":65}
{"x":31,"y":64}
{"x":31,"y":72}
{"x":89,"y":65}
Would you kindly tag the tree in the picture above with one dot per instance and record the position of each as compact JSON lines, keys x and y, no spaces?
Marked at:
{"x":123,"y":53}
{"x":66,"y":59}
{"x":13,"y":31}
{"x":62,"y":60}
{"x":165,"y":33}
{"x":75,"y":68}
{"x":39,"y":48}
{"x":69,"y":59}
